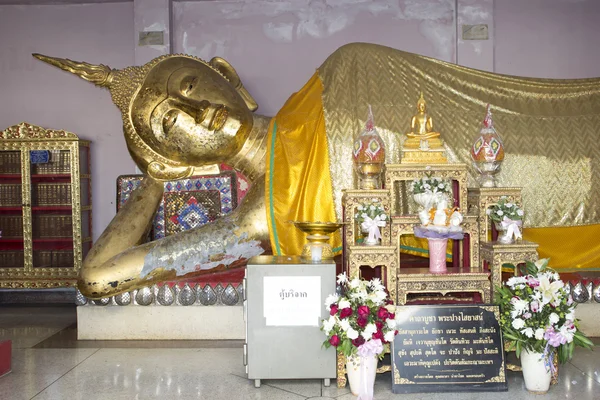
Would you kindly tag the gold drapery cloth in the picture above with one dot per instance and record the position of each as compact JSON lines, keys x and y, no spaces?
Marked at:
{"x":550,"y":129}
{"x":298,"y":185}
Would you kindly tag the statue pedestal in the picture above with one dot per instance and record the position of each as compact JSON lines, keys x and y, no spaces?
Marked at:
{"x":155,"y":322}
{"x":417,"y":156}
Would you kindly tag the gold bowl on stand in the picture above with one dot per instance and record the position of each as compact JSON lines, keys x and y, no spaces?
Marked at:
{"x":317,"y":248}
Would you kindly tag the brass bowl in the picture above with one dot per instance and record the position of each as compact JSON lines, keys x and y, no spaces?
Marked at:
{"x":317,"y":228}
{"x":317,"y":248}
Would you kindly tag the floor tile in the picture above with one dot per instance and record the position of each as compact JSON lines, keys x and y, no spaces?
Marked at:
{"x":34,"y":370}
{"x":161,"y":373}
{"x":302,"y":387}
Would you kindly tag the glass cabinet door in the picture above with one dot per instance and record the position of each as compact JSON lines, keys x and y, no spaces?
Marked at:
{"x":11,"y":212}
{"x":51,"y":209}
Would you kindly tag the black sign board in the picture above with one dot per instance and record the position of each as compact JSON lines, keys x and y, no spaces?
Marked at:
{"x":448,"y":348}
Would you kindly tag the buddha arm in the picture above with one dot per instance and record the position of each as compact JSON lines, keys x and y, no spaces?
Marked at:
{"x":429,"y":125}
{"x":413,"y":122}
{"x":110,"y":270}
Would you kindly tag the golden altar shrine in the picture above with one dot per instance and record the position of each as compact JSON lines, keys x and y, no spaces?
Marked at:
{"x":476,"y":259}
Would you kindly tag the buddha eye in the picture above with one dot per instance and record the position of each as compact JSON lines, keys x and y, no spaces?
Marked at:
{"x":188,"y":84}
{"x":169,"y":120}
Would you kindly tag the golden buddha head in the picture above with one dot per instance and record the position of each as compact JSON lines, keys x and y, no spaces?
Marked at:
{"x":178,"y":111}
{"x":421,"y":104}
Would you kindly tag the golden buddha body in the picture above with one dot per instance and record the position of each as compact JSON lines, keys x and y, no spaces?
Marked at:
{"x":422,"y":145}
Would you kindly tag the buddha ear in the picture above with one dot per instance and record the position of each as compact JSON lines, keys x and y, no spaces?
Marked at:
{"x":232,"y":76}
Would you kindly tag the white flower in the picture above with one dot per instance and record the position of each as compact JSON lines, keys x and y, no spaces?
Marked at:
{"x":570,"y":316}
{"x":370,"y":329}
{"x":539,"y":333}
{"x":519,"y":305}
{"x":359,"y":208}
{"x":343,"y":304}
{"x":332,"y":298}
{"x":391,"y":324}
{"x":376,"y":284}
{"x":520,"y":212}
{"x":342,"y":278}
{"x":515,"y":280}
{"x":351,"y":333}
{"x":354,"y":283}
{"x":383,"y":217}
{"x":345,"y":324}
{"x":508,"y":205}
{"x":518,"y":323}
{"x":488,"y":211}
{"x":389,"y":336}
{"x":500,"y":213}
{"x":527,"y":332}
{"x":554,"y":318}
{"x":568,"y":331}
{"x":542,"y":262}
{"x":372,"y":207}
{"x":550,"y":291}
{"x":375,"y":200}
{"x":328,"y":324}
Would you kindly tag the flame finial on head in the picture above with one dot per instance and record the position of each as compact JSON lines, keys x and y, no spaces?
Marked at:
{"x":100,"y":75}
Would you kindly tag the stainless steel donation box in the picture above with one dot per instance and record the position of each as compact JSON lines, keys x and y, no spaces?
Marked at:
{"x":283,"y":308}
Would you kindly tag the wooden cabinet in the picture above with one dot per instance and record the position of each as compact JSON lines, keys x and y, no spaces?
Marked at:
{"x":45,"y":207}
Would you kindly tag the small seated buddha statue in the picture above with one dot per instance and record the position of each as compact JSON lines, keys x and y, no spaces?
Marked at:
{"x":423,"y":145}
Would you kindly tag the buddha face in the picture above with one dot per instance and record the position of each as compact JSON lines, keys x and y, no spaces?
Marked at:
{"x":188,"y":112}
{"x":421,"y":106}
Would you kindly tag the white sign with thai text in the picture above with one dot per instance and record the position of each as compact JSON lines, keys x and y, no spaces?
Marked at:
{"x":292,"y":300}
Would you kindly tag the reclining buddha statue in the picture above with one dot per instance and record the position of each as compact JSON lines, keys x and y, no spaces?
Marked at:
{"x":181,"y":114}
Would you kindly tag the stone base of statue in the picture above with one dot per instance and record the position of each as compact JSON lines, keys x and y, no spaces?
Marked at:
{"x":155,"y":322}
{"x":170,"y":311}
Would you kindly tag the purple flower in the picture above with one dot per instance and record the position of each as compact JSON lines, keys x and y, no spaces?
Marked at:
{"x":532,"y":282}
{"x":554,"y":338}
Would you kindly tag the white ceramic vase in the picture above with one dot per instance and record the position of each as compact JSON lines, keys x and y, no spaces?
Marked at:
{"x":426,"y":200}
{"x":361,"y":375}
{"x":536,"y":372}
{"x":503,"y":236}
{"x":367,"y":241}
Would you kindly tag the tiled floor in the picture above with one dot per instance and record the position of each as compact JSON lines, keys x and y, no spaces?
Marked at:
{"x":48,"y":363}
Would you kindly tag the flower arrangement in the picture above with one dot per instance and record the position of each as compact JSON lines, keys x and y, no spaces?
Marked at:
{"x":505,"y":209}
{"x":431,"y":185}
{"x":537,"y":313}
{"x":362,"y":317}
{"x":370,"y":211}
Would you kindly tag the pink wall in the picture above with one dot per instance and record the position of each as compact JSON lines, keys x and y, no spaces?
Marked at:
{"x":35,"y":92}
{"x":274,"y":45}
{"x":548,"y":38}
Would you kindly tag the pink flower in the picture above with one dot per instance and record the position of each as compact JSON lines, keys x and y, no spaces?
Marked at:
{"x":383,"y":313}
{"x":358,"y":341}
{"x":361,"y":321}
{"x":378,"y":335}
{"x":333,"y":310}
{"x":527,"y":315}
{"x":535,"y":306}
{"x":363,"y":311}
{"x":345,"y":313}
{"x":334,"y":341}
